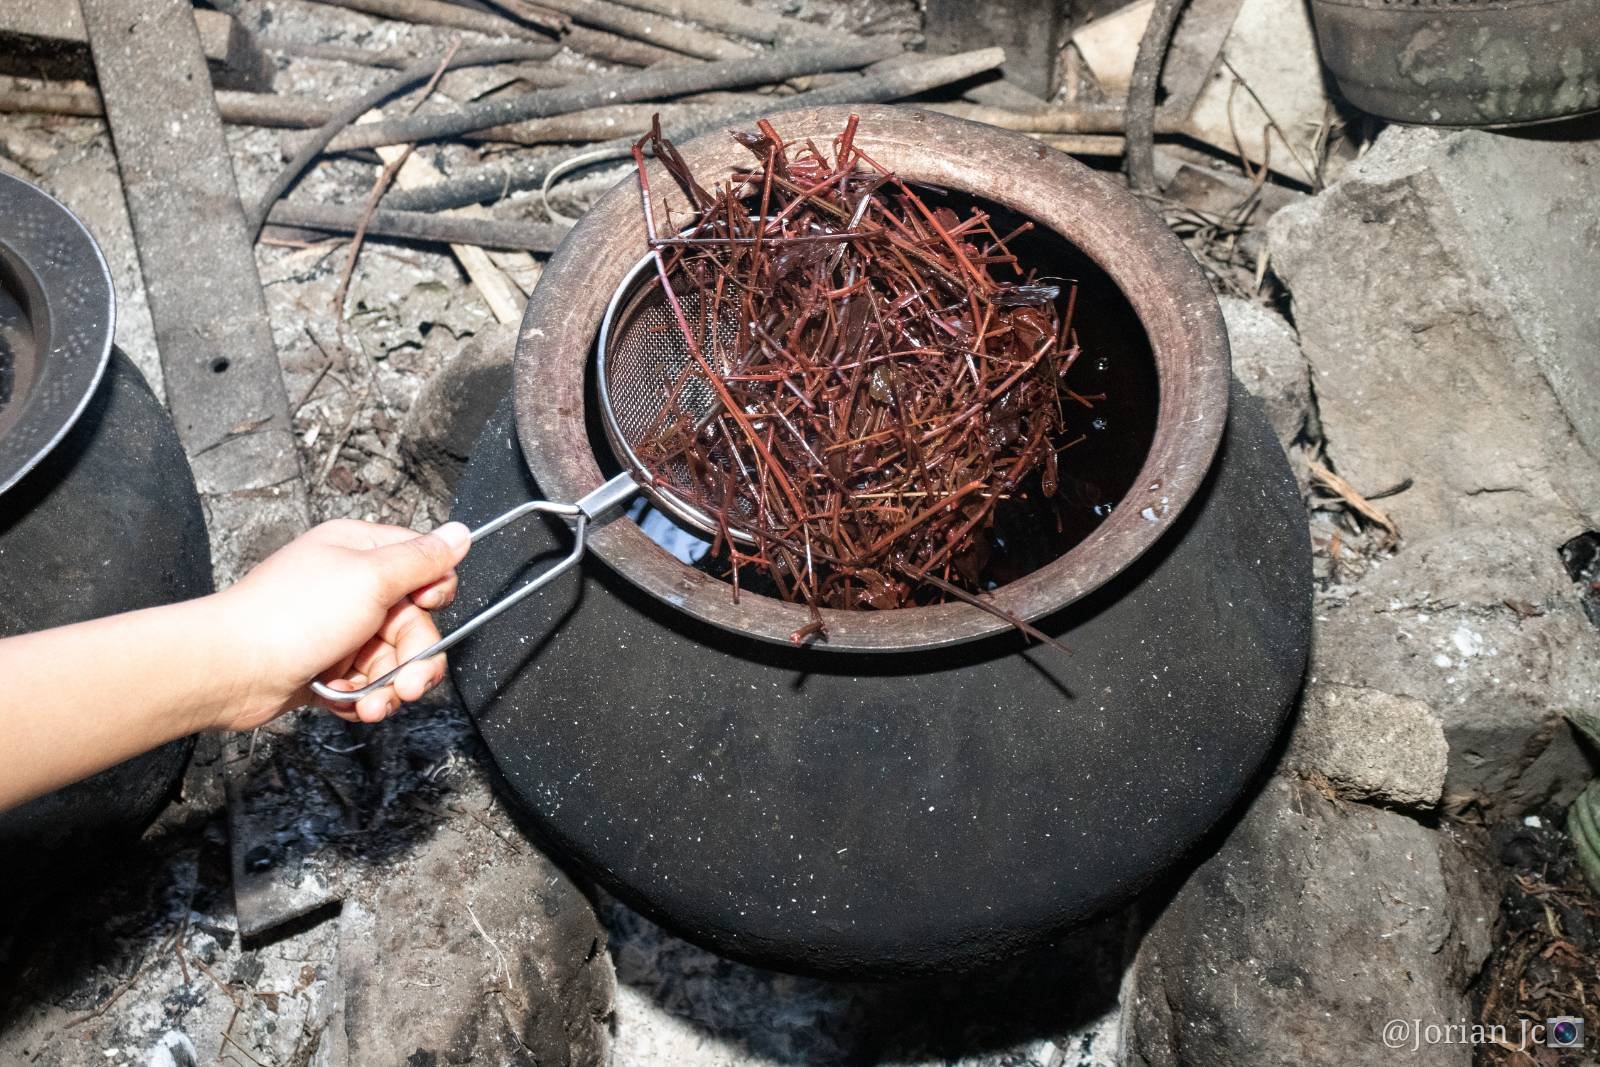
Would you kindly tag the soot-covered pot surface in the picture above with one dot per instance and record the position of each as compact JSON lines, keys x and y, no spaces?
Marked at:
{"x":916,"y":797}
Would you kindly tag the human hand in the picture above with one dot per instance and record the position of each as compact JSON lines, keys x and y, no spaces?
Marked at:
{"x":345,"y":602}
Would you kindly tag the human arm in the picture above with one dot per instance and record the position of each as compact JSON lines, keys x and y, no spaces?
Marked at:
{"x":345,"y":602}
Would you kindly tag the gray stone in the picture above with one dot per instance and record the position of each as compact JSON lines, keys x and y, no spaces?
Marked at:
{"x":1399,"y":309}
{"x":1370,"y":745}
{"x":439,"y":431}
{"x":1427,"y":366}
{"x":1268,"y":360}
{"x":1316,"y":923}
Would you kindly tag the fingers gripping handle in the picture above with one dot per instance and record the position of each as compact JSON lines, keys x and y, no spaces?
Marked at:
{"x":609,"y":495}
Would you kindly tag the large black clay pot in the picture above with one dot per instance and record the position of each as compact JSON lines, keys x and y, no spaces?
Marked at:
{"x":108,"y":521}
{"x":98,"y":509}
{"x":851,"y":814}
{"x":1463,"y":62}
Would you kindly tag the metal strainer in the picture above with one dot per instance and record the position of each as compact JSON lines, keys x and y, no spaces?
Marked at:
{"x":639,"y":372}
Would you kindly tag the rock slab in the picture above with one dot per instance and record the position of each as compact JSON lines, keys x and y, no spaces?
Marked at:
{"x":1447,"y":314}
{"x":1314,"y":925}
{"x":1268,"y":361}
{"x":1370,"y":745}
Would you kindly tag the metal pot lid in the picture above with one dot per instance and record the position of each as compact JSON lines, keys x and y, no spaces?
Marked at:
{"x":57,"y":310}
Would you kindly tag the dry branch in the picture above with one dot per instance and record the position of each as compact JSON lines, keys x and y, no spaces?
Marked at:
{"x":391,"y":165}
{"x":689,"y":40}
{"x":611,"y":89}
{"x":1141,"y":121}
{"x":492,"y":182}
{"x":496,"y":286}
{"x":600,"y":43}
{"x":401,"y":82}
{"x":340,"y":53}
{"x":1326,"y":479}
{"x":420,"y":226}
{"x":603,"y":45}
{"x":605,"y":123}
{"x":1082,"y":118}
{"x":1083,"y":144}
{"x":242,"y":109}
{"x":727,"y":16}
{"x":438,"y":13}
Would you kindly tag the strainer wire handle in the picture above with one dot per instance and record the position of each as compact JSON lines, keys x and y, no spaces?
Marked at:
{"x":581,"y":513}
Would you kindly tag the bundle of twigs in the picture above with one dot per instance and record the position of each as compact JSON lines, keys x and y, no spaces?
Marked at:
{"x":887,"y":374}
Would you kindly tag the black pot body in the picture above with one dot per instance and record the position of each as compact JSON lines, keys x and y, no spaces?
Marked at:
{"x":108,"y":522}
{"x":1463,"y":62}
{"x":876,"y":814}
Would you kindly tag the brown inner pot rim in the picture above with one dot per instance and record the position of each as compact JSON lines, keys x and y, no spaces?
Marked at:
{"x":1170,"y":296}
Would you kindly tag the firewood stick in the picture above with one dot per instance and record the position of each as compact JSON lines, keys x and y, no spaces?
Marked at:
{"x":339,"y":53}
{"x":438,"y":13}
{"x":1057,"y":120}
{"x":727,"y":16}
{"x":611,"y":89}
{"x":598,"y":42}
{"x":605,"y":123}
{"x":400,"y":83}
{"x":302,"y":112}
{"x":395,"y":58}
{"x":81,"y":103}
{"x":1083,"y":144}
{"x":601,"y":44}
{"x":240,"y":109}
{"x":1142,"y":118}
{"x":503,"y":234}
{"x":691,"y":41}
{"x":493,"y":181}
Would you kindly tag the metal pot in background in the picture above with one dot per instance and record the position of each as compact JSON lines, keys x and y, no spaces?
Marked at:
{"x":98,"y":509}
{"x":1463,"y":62}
